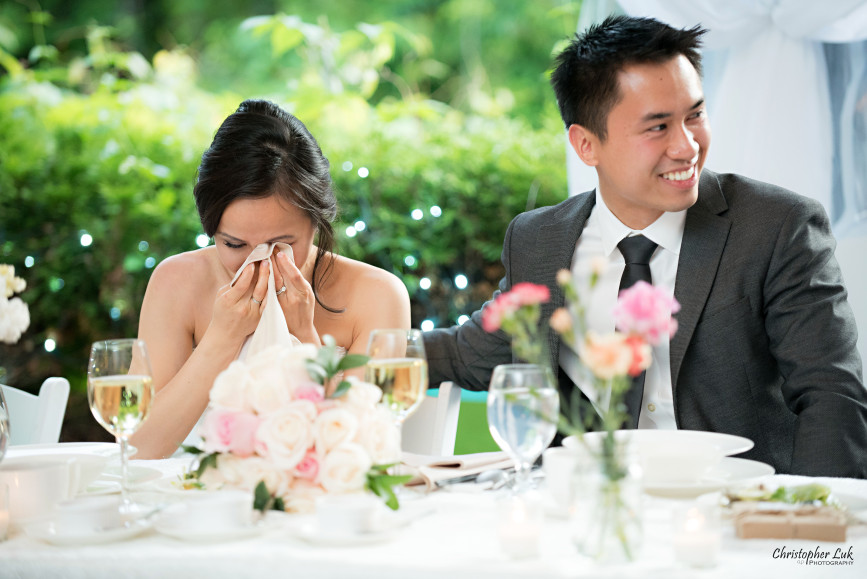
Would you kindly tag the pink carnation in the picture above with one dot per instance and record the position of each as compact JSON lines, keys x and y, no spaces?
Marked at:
{"x":521,"y":294}
{"x":232,"y":431}
{"x":646,"y":310}
{"x":308,"y":468}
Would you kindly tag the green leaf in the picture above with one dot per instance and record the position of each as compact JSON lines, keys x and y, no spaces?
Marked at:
{"x":261,"y":497}
{"x":316,"y":371}
{"x":342,"y":389}
{"x":191,"y":449}
{"x":350,"y":361}
{"x":208,"y":461}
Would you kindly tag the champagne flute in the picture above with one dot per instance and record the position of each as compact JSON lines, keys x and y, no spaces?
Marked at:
{"x":120,"y":392}
{"x":523,"y":407}
{"x":4,"y":425}
{"x":398,"y":366}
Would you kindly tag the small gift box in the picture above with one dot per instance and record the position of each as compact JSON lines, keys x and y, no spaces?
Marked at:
{"x":819,"y":523}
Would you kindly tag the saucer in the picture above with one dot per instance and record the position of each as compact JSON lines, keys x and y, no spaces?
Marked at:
{"x":728,"y":472}
{"x":310,"y":532}
{"x":48,"y":532}
{"x":728,"y":444}
{"x":171,"y":525}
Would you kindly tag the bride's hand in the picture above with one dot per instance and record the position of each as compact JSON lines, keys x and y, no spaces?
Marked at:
{"x":238,"y":307}
{"x":297,"y":302}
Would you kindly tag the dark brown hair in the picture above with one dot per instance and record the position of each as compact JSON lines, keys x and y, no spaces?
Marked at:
{"x":261,"y":150}
{"x":585,"y":78}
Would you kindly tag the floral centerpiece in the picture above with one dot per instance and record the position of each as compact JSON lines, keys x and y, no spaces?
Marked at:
{"x":279,"y":424}
{"x":14,"y":315}
{"x":643,"y":317}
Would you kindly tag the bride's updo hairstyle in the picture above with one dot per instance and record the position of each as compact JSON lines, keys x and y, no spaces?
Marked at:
{"x":261,"y":150}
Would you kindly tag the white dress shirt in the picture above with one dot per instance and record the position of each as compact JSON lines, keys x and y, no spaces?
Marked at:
{"x":602,"y":232}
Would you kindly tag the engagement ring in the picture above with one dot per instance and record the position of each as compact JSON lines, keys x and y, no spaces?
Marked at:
{"x":282,"y":290}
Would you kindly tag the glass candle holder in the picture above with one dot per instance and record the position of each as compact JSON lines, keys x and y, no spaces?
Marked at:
{"x":697,"y":535}
{"x":520,"y":525}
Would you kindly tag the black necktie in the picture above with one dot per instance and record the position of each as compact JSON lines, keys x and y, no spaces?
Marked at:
{"x":636,"y":252}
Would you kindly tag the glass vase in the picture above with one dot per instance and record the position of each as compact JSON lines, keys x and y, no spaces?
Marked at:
{"x":607,"y":526}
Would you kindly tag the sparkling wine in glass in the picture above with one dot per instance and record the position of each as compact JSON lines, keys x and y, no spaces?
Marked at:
{"x":523,"y":408}
{"x":4,"y":425}
{"x":398,"y":366}
{"x":120,"y":392}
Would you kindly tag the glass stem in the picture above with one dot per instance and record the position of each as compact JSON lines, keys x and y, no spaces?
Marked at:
{"x":522,"y":476}
{"x":124,"y":473}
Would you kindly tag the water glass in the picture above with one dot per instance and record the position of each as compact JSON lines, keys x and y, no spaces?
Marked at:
{"x":523,"y":409}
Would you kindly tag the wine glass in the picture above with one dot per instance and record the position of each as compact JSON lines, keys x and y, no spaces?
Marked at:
{"x":398,"y":366}
{"x":4,"y":425}
{"x":120,"y":392}
{"x":523,"y":408}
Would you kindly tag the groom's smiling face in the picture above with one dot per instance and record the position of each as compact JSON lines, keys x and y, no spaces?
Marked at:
{"x":656,"y":145}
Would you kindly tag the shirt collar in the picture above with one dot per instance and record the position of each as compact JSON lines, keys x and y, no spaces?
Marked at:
{"x":666,"y":231}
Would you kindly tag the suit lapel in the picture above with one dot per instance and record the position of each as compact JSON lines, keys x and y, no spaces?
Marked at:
{"x":704,"y":238}
{"x":555,"y":245}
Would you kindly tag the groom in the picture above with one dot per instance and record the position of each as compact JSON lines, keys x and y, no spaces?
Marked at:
{"x":766,"y":341}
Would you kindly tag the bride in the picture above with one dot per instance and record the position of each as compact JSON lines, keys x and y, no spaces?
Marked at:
{"x":262,"y":180}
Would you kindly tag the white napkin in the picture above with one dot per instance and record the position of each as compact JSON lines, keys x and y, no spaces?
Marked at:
{"x":427,"y":470}
{"x":272,"y":328}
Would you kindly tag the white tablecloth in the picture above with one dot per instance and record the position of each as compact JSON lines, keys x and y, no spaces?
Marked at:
{"x":456,"y":539}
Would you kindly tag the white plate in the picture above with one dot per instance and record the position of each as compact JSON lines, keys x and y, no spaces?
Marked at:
{"x":101,"y":448}
{"x":171,"y":525}
{"x":728,"y":472}
{"x":46,"y":531}
{"x":729,"y":444}
{"x":309,"y":532}
{"x":173,"y":486}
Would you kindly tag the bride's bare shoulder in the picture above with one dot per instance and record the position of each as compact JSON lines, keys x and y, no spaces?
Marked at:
{"x":187,"y":272}
{"x":366,"y":280}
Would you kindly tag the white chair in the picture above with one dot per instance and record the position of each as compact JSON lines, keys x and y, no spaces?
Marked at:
{"x":432,"y":429}
{"x":36,"y":419}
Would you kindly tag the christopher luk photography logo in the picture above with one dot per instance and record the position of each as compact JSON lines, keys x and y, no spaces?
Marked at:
{"x":820,"y":556}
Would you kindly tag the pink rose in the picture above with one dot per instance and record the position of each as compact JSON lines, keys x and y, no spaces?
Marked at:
{"x":646,"y":310}
{"x":230,"y":431}
{"x":308,"y":468}
{"x":528,"y":294}
{"x":311,"y":391}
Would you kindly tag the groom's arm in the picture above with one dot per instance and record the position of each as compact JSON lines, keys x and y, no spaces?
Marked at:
{"x":813,"y":338}
{"x":467,"y":354}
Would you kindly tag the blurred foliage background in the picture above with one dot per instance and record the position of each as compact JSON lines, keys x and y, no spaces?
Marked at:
{"x":436,"y":116}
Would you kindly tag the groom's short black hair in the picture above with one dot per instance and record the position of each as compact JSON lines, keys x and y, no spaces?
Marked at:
{"x":585,"y":78}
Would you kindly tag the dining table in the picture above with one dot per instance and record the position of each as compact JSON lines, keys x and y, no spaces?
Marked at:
{"x":448,"y":533}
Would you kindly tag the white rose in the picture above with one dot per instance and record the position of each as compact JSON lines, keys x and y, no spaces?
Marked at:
{"x":285,"y":435}
{"x":293,"y":363}
{"x":380,"y":436}
{"x":227,"y":472}
{"x":344,"y":469}
{"x":301,"y":496}
{"x":267,"y":395}
{"x":265,"y":368}
{"x":230,"y":387}
{"x":334,"y":426}
{"x":362,"y":394}
{"x":14,"y":319}
{"x":256,"y":469}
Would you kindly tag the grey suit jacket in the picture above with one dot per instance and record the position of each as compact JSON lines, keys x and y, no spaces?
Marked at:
{"x":766,"y":342}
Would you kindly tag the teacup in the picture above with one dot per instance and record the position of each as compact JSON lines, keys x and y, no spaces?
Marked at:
{"x":86,"y":467}
{"x":36,"y":484}
{"x":86,"y":515}
{"x":213,"y":511}
{"x":344,"y":515}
